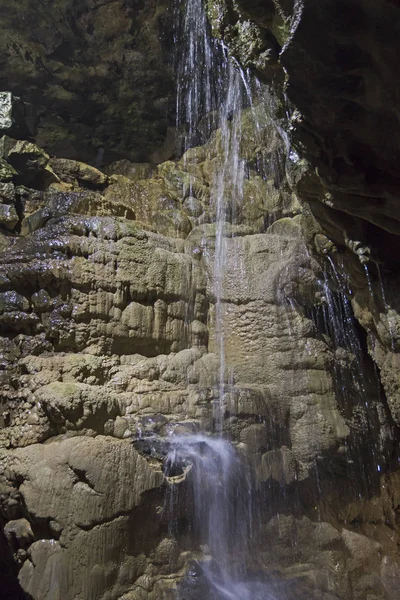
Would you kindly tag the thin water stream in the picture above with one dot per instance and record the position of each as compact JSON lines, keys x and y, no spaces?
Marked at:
{"x":222,"y":499}
{"x":212,"y":90}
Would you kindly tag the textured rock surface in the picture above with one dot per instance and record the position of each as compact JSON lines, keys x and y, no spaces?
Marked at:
{"x":16,"y":117}
{"x":97,"y":73}
{"x":337,"y":65}
{"x":334,"y":63}
{"x":107,"y":312}
{"x":108,"y":304}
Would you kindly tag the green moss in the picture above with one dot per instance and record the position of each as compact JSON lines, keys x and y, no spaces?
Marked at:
{"x":280,"y":28}
{"x":216,"y":12}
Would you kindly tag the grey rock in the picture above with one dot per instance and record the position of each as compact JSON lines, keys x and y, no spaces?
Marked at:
{"x":6,"y":107}
{"x":19,"y":533}
{"x":7,"y":193}
{"x":17,"y":118}
{"x":193,"y":207}
{"x":8,"y":216}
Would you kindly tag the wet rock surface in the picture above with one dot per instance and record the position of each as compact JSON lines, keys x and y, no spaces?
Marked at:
{"x":333,"y":67}
{"x":109,"y":344}
{"x":108,"y":305}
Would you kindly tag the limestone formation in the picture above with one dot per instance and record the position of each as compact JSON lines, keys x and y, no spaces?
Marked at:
{"x":330,"y":63}
{"x":112,"y":312}
{"x":109,"y":340}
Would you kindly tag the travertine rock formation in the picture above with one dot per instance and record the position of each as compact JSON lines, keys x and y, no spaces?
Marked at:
{"x":109,"y":344}
{"x":108,"y":304}
{"x":333,"y":69}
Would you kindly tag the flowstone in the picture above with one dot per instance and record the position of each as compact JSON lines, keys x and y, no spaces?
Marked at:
{"x":108,"y":317}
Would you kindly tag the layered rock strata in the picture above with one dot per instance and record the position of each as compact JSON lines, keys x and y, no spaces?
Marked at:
{"x":109,"y":345}
{"x":108,"y":302}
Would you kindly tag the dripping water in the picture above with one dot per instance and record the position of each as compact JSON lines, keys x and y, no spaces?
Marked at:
{"x":232,"y":171}
{"x":369,"y":281}
{"x":222,"y":513}
{"x":198,"y":89}
{"x":356,"y":384}
{"x":212,"y":91}
{"x":387,"y":309}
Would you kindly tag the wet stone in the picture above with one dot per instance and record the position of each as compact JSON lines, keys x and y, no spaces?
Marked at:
{"x":7,"y":193}
{"x":8,"y":216}
{"x":70,"y":170}
{"x":6,"y":119}
{"x":11,"y":301}
{"x":16,"y":117}
{"x":193,"y":206}
{"x":7,"y":172}
{"x":19,"y":533}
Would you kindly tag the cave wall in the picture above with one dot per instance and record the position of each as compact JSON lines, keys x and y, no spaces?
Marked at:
{"x":107,"y":317}
{"x":97,"y":74}
{"x":107,"y":304}
{"x":332,"y":68}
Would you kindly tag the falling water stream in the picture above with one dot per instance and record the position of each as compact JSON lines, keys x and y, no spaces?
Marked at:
{"x":221,"y":513}
{"x":212,"y":90}
{"x":222,"y":506}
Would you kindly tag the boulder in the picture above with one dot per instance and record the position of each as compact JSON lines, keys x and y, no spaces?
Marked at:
{"x":31,"y":164}
{"x":19,"y":533}
{"x":71,"y":170}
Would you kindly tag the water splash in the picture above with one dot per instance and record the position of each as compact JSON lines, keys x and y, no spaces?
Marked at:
{"x":222,"y":515}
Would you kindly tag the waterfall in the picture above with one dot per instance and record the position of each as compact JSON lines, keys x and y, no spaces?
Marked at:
{"x":198,"y":88}
{"x":222,"y":482}
{"x":212,"y":91}
{"x":221,"y":506}
{"x":232,"y":171}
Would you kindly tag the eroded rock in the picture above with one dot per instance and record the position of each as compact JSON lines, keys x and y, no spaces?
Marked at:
{"x":108,"y":313}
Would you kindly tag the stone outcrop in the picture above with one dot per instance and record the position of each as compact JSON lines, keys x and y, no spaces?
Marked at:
{"x":334,"y":63}
{"x":333,"y":72}
{"x":335,"y":78}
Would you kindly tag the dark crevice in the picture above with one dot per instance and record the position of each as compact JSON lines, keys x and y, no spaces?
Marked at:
{"x":10,"y":588}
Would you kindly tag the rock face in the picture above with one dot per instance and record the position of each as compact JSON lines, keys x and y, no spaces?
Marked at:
{"x":335,"y":62}
{"x":111,"y":308}
{"x":328,"y":60}
{"x":108,"y":317}
{"x":16,"y":117}
{"x":97,"y":74}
